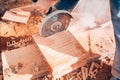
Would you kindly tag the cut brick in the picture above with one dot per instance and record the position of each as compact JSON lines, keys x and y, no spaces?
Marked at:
{"x":23,"y":64}
{"x":63,"y":52}
{"x":96,"y":41}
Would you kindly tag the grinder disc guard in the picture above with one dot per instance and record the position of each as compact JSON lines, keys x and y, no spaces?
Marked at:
{"x":55,"y":22}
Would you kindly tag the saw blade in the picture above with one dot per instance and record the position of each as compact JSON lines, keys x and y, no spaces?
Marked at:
{"x":55,"y":22}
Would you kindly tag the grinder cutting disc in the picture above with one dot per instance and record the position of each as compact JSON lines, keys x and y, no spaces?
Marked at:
{"x":55,"y":22}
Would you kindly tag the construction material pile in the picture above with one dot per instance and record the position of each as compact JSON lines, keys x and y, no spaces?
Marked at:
{"x":76,"y":54}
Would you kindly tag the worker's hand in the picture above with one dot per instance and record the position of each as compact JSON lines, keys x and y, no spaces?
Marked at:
{"x":40,"y":5}
{"x":45,"y":4}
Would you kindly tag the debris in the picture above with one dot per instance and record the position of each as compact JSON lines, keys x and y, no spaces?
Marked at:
{"x":98,"y":66}
{"x":93,"y":74}
{"x":79,"y":75}
{"x":84,"y":76}
{"x":16,"y":16}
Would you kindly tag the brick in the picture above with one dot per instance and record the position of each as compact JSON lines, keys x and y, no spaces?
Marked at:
{"x":62,"y":51}
{"x":96,"y":41}
{"x":21,"y":64}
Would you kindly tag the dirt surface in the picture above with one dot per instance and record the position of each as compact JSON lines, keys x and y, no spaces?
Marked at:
{"x":20,"y":34}
{"x":16,"y":31}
